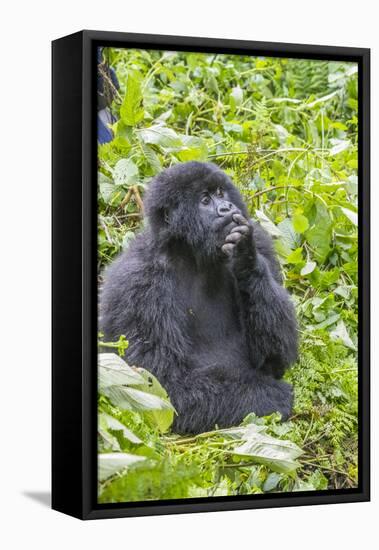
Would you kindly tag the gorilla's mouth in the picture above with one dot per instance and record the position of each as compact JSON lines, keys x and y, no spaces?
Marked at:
{"x":222,"y":227}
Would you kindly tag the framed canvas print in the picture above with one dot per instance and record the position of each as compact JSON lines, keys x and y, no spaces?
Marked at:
{"x":210,"y":274}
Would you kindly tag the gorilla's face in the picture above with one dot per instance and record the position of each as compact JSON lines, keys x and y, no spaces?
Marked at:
{"x":216,"y":211}
{"x":194,"y":203}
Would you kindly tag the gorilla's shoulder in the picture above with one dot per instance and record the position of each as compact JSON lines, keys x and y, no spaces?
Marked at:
{"x":141,"y":257}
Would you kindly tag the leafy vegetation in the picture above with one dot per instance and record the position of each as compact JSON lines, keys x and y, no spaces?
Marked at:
{"x":285,"y":130}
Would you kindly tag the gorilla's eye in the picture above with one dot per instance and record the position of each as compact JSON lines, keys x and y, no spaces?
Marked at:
{"x":220,"y":192}
{"x":205,"y":199}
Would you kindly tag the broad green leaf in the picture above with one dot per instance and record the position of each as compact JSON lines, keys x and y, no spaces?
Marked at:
{"x":125,"y":172}
{"x":163,"y":418}
{"x":300,"y":223}
{"x":151,"y":157}
{"x":329,"y":321}
{"x":296,"y":257}
{"x":106,"y":186}
{"x":151,"y":384}
{"x":267,"y":224}
{"x":319,"y":234}
{"x":131,"y":110}
{"x":114,"y":371}
{"x":343,"y":290}
{"x":107,"y":440}
{"x":352,"y":216}
{"x":271,"y":481}
{"x":112,"y":463}
{"x":237,"y":95}
{"x":232,"y":127}
{"x":112,"y":423}
{"x":194,"y":148}
{"x":288,"y":234}
{"x":322,"y":99}
{"x":282,"y":132}
{"x":136,"y":400}
{"x":242,"y":431}
{"x":279,"y":455}
{"x":161,"y":135}
{"x":339,"y":145}
{"x":340,"y":334}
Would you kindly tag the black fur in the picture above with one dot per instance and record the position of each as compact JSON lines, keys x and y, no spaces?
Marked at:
{"x":198,"y":295}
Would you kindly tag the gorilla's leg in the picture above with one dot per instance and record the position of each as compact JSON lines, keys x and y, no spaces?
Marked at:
{"x":203,"y":404}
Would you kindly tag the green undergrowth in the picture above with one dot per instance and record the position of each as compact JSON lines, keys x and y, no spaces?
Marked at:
{"x":286,"y":132}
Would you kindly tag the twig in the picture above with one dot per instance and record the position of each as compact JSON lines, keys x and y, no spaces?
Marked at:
{"x":126,"y":199}
{"x":269,"y":152}
{"x":273,"y":188}
{"x":106,"y":76}
{"x":138,"y":197}
{"x":345,"y":474}
{"x":107,"y":234}
{"x":309,"y":430}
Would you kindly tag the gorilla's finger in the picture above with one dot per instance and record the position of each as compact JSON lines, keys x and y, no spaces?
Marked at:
{"x":237,"y":218}
{"x":233,"y":237}
{"x":227,"y":249}
{"x":241,"y":229}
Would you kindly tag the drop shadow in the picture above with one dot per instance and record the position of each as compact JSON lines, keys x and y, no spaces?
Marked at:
{"x":42,"y":497}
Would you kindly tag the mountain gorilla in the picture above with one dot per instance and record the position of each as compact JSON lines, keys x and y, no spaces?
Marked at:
{"x":198,"y":294}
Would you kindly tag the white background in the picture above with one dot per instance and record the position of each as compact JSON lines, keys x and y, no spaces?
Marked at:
{"x":26,"y":31}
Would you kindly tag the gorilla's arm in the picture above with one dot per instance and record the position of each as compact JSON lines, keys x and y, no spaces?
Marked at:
{"x":269,"y":314}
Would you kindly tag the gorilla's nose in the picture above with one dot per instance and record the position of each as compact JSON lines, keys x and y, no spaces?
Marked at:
{"x":225,"y":208}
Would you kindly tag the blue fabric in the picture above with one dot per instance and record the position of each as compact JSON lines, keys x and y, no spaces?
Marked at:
{"x":104,"y":134}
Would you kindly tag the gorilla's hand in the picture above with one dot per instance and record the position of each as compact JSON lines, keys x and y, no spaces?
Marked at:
{"x":239,"y":246}
{"x":239,"y":240}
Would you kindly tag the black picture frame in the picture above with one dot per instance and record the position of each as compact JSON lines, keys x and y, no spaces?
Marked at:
{"x":74,"y":315}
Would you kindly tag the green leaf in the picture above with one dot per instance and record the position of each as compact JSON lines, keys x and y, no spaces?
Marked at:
{"x":112,"y":423}
{"x":136,"y":400}
{"x":237,"y":95}
{"x":106,"y":186}
{"x":125,"y":172}
{"x":151,"y":157}
{"x":162,"y":418}
{"x":308,"y":268}
{"x":300,"y":223}
{"x":352,"y":216}
{"x":288,"y":234}
{"x":322,"y":99}
{"x":242,"y":431}
{"x":271,"y":481}
{"x":329,"y":321}
{"x":107,"y":440}
{"x":131,"y":110}
{"x":267,"y":224}
{"x":114,"y":371}
{"x":339,"y":145}
{"x":112,"y":463}
{"x":160,"y":135}
{"x":319,"y":235}
{"x":194,"y":148}
{"x":296,"y":257}
{"x":340,"y":334}
{"x":232,"y":127}
{"x":277,"y":454}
